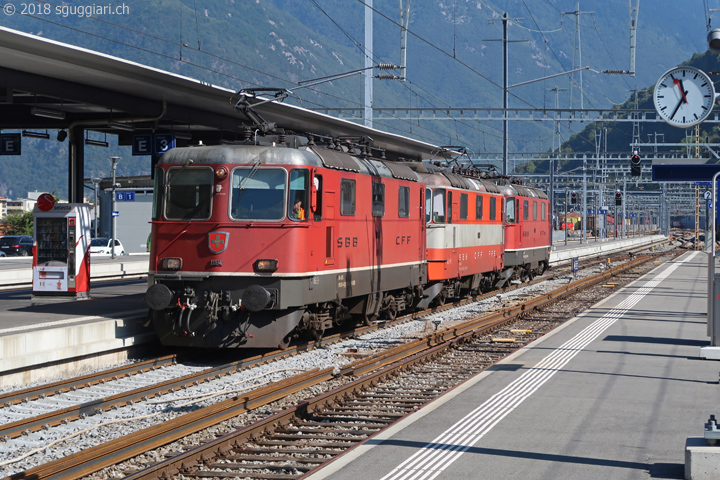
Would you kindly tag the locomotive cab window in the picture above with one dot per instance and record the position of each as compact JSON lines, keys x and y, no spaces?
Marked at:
{"x":510,"y":210}
{"x":347,"y":197}
{"x":428,"y":205}
{"x":298,"y":195}
{"x":438,"y":205}
{"x":258,"y":193}
{"x":378,"y":199}
{"x":404,"y":202}
{"x":479,"y":207}
{"x":188,"y":193}
{"x":493,"y":208}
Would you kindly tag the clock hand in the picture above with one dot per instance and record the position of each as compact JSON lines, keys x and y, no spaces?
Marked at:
{"x":677,"y":107}
{"x":678,"y":82}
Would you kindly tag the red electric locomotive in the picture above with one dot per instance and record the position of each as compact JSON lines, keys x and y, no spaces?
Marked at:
{"x":464,"y":234}
{"x":252,"y":244}
{"x":527,"y":232}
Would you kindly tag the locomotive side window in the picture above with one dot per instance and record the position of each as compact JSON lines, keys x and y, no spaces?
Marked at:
{"x":534,"y":210}
{"x":493,"y":208}
{"x":438,"y":206}
{"x":479,"y":207}
{"x":347,"y":197}
{"x":157,"y":198}
{"x":298,"y":195}
{"x":526,"y":210}
{"x":449,"y":218}
{"x":463,"y":206}
{"x":258,"y":193}
{"x":404,"y":202}
{"x":510,"y":210}
{"x":189,"y":193}
{"x":428,"y":205}
{"x":542,"y":211}
{"x":378,"y":199}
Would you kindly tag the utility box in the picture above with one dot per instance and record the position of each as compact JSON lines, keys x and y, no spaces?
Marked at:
{"x":61,"y":254}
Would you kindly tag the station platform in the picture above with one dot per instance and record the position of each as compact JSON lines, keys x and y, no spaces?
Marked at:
{"x":615,"y":393}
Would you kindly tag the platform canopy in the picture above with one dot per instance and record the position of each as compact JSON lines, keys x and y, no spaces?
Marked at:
{"x":51,"y":85}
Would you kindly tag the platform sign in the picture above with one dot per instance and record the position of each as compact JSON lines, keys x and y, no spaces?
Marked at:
{"x":142,"y":144}
{"x":125,"y":196}
{"x":575,"y":264}
{"x":115,"y":213}
{"x":603,"y":211}
{"x":163,"y":142}
{"x":10,"y":144}
{"x":590,"y":211}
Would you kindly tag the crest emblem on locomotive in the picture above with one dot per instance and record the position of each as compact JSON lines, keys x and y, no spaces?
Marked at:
{"x":218,"y":241}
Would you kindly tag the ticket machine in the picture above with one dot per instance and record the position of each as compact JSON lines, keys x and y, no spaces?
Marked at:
{"x":61,"y":254}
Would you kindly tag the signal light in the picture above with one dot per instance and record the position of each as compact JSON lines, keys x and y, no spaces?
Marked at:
{"x":573,"y":198}
{"x":618,"y":199}
{"x":635,"y":168}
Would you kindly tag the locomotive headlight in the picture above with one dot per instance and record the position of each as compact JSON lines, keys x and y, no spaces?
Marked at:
{"x":266,"y":265}
{"x":171,"y":263}
{"x":220,"y":173}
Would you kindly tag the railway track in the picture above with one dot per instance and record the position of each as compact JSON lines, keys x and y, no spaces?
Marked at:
{"x":83,"y":463}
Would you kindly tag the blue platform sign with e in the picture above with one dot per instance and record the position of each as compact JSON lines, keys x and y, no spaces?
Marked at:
{"x":575,"y":264}
{"x":142,"y":144}
{"x":10,"y":144}
{"x":124,"y":196}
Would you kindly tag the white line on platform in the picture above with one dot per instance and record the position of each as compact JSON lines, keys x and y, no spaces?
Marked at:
{"x":430,"y":461}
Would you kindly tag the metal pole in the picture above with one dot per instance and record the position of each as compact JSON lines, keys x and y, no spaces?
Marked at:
{"x":584,"y":201}
{"x":96,"y":183}
{"x":114,"y":161}
{"x":368,"y":63}
{"x":505,"y":170}
{"x":565,"y":222}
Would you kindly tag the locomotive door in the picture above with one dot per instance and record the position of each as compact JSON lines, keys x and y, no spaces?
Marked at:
{"x":329,"y":207}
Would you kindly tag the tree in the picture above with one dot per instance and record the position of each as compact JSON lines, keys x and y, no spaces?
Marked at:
{"x":18,"y":224}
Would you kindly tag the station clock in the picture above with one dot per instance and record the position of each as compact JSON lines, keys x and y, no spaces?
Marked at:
{"x":684,"y":96}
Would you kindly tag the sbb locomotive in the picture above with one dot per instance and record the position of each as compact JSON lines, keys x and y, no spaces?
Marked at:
{"x":254,"y":244}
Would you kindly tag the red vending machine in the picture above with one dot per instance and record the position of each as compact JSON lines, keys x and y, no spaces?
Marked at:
{"x":61,"y":255}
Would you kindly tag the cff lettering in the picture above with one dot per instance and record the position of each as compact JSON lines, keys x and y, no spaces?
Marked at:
{"x":347,"y":242}
{"x":402,"y":239}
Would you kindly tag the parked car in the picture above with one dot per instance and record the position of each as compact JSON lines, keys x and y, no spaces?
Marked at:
{"x":103,"y":245}
{"x":13,"y":245}
{"x":3,"y":254}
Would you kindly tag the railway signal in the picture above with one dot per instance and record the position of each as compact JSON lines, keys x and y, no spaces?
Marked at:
{"x":635,"y":168}
{"x":573,"y":198}
{"x":618,"y":199}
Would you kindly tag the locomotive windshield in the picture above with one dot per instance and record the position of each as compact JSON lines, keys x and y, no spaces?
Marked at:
{"x":189,"y":193}
{"x":258,"y":193}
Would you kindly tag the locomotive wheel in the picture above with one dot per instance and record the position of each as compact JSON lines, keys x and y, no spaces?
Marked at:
{"x":391,"y":313}
{"x":368,"y":320}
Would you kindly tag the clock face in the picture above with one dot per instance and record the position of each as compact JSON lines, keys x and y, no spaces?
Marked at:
{"x":684,"y":96}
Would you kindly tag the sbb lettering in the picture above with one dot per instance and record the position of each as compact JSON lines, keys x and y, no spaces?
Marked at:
{"x":347,"y":242}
